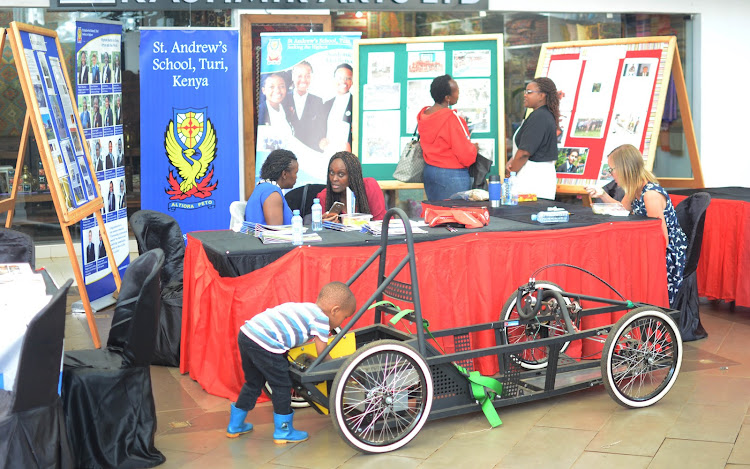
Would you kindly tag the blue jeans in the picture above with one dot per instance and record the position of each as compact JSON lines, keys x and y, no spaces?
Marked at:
{"x":441,"y":183}
{"x":259,"y":365}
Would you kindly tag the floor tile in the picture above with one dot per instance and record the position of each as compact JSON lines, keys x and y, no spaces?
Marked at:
{"x":590,"y":459}
{"x":547,"y":447}
{"x":635,"y":431}
{"x":687,"y":454}
{"x":741,"y":452}
{"x":584,"y":410}
{"x":710,"y":423}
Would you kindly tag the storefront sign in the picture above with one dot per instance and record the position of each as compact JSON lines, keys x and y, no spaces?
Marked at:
{"x":335,"y":5}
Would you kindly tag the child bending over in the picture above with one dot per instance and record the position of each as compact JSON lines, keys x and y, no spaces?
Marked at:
{"x":264,"y":341}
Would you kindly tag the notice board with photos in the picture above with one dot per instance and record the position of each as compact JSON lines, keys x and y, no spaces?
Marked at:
{"x":393,"y":77}
{"x":612,"y":92}
{"x":52,"y":114}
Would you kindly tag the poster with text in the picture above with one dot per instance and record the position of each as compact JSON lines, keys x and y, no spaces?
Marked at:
{"x":190,"y":152}
{"x":98,"y":83}
{"x":305,"y":102}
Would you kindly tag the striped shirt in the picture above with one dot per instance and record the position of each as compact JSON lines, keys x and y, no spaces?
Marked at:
{"x":287,"y":326}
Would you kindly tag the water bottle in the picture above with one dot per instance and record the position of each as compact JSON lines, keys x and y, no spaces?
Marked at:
{"x":506,"y":198}
{"x":560,"y":216}
{"x":317,"y":215}
{"x":513,"y":189}
{"x":495,"y":190}
{"x":296,"y":229}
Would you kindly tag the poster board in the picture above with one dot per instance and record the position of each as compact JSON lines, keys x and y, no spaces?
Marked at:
{"x":53,"y":116}
{"x":613,"y":93}
{"x":393,"y":77}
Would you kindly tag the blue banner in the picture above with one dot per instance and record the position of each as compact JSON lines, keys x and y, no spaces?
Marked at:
{"x":190,"y":155}
{"x":98,"y":82}
{"x":305,"y":102}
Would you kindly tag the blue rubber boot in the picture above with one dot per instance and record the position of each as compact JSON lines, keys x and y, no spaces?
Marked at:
{"x":237,"y":425}
{"x":285,"y":432}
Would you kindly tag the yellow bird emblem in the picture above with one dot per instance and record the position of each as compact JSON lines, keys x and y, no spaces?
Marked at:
{"x":191,"y":164}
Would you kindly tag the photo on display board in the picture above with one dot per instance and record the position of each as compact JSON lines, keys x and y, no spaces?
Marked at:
{"x":94,"y":72}
{"x":96,"y":115}
{"x":425,"y":64}
{"x":45,"y":70}
{"x":68,"y":196}
{"x":571,"y":160}
{"x":84,"y":112}
{"x":589,"y":127}
{"x":68,"y":150}
{"x":39,"y":93}
{"x":116,"y":68}
{"x":48,"y":128}
{"x":91,"y":244}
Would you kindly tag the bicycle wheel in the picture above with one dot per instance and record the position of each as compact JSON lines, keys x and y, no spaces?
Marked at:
{"x":381,"y":396}
{"x":535,"y":358}
{"x":642,"y":357}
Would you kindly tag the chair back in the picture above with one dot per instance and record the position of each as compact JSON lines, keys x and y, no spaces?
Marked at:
{"x":237,"y":214}
{"x":691,"y":213}
{"x":16,"y":247}
{"x":154,"y":229}
{"x":301,"y":198}
{"x":136,"y":319}
{"x":41,"y":355}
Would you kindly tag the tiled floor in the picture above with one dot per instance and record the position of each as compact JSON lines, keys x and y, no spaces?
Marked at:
{"x":702,"y":423}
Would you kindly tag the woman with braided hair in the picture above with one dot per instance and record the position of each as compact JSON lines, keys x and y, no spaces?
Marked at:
{"x":266,"y":204}
{"x":535,"y":142}
{"x":344,"y":170}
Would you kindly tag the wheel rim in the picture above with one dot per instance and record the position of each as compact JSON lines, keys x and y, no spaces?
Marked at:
{"x":535,"y":356}
{"x":383,"y":398}
{"x":644,"y":359}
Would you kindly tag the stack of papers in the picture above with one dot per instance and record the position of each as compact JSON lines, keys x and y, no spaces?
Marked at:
{"x":395,"y":227}
{"x":331,"y":225}
{"x":257,"y":229}
{"x":275,"y":237}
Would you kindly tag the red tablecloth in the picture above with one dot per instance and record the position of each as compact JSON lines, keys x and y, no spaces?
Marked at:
{"x":464,"y":280}
{"x":725,"y":253}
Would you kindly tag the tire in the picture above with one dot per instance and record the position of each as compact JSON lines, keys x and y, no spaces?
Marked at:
{"x":381,"y":397}
{"x":298,"y":402}
{"x":642,"y":357}
{"x":533,"y":358}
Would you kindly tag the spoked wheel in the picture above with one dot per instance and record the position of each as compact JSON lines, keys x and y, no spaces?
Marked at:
{"x":298,"y":402}
{"x":536,"y":358}
{"x":381,"y":396}
{"x":641,"y":357}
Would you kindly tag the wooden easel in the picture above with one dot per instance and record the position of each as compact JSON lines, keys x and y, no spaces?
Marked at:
{"x":33,"y":119}
{"x":673,"y":67}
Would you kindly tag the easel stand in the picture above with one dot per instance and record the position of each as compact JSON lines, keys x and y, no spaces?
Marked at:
{"x":67,"y":217}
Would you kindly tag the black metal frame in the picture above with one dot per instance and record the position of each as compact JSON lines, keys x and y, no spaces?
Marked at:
{"x":452,"y":393}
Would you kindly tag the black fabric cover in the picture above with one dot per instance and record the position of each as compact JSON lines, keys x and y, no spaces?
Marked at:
{"x":691,"y":213}
{"x":301,"y":198}
{"x":16,"y":247}
{"x":478,"y":172}
{"x":157,"y":230}
{"x":32,"y":430}
{"x":109,"y":406}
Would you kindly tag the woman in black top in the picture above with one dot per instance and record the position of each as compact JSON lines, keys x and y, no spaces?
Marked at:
{"x":535,"y":142}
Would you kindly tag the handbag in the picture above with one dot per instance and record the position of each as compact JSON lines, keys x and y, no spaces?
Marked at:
{"x":411,"y":164}
{"x":469,"y":217}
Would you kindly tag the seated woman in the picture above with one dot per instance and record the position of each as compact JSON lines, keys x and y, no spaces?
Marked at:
{"x":644,"y":196}
{"x":266,"y":204}
{"x":345,"y":171}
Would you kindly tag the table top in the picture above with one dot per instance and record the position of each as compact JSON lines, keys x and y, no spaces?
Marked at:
{"x":234,"y":254}
{"x":728,"y":193}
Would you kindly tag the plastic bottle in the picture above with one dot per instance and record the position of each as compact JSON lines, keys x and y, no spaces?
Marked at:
{"x":495,"y":190}
{"x":513,"y":189}
{"x":317,"y":215}
{"x":296,"y":228}
{"x":506,"y":199}
{"x":551,"y":217}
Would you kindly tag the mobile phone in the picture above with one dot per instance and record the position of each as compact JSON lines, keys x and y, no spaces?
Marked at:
{"x":336,"y":208}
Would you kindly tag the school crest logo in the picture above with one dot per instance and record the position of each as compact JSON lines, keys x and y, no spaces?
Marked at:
{"x":273,"y":52}
{"x":191,"y":144}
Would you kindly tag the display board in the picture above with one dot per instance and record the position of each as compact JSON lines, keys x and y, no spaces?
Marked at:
{"x":53,"y":116}
{"x":393,"y":77}
{"x":613,"y":93}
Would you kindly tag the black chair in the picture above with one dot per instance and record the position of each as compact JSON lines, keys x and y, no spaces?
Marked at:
{"x":691,"y":213}
{"x":32,"y":433}
{"x":157,"y":230}
{"x":301,"y":198}
{"x":614,"y":191}
{"x":109,"y":406}
{"x":16,"y":247}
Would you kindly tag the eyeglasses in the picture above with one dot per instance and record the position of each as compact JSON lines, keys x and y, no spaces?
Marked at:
{"x":611,"y":169}
{"x":531,"y":91}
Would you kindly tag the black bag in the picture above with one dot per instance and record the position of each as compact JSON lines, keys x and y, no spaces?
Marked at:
{"x":411,"y":164}
{"x":478,"y":172}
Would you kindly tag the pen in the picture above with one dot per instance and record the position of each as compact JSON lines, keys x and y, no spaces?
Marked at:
{"x":450,"y":228}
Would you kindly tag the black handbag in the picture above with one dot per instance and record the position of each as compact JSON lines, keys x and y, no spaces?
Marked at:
{"x":411,"y":164}
{"x":478,"y":172}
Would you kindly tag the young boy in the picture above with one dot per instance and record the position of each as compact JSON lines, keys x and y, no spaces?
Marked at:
{"x":264,"y":341}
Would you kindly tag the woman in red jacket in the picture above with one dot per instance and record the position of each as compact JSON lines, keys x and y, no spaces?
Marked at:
{"x":446,"y":147}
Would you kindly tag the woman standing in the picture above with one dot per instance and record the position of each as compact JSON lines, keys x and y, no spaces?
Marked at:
{"x":266,"y":204}
{"x":344,"y":170}
{"x":446,"y":147}
{"x":644,"y":196}
{"x":535,"y":142}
